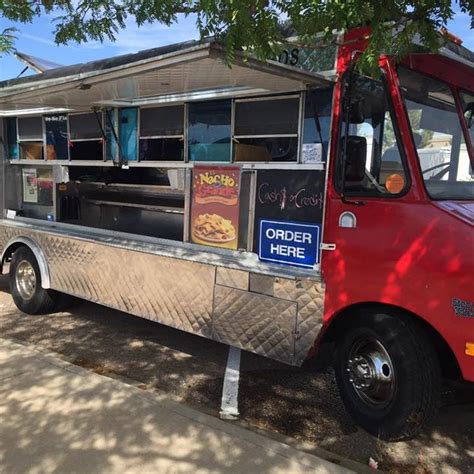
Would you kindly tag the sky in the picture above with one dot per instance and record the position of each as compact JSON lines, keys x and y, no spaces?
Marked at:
{"x":37,"y":39}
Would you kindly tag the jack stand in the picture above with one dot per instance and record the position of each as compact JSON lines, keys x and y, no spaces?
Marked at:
{"x":230,"y":391}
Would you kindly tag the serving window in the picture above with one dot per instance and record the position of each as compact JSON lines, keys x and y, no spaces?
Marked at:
{"x":85,"y":137}
{"x":267,"y":129}
{"x":30,"y":138}
{"x":162,"y":134}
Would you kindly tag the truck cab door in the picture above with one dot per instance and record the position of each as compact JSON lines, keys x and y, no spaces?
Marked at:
{"x":368,"y":191}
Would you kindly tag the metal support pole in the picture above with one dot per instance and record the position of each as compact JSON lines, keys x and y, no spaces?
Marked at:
{"x":230,"y":391}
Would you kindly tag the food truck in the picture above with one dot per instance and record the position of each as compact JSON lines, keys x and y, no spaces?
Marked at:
{"x":284,"y":207}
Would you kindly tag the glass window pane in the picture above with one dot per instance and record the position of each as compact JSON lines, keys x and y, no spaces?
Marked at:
{"x":162,"y":121}
{"x":209,"y":131}
{"x":13,"y":149}
{"x":318,"y":107}
{"x":111,"y":134}
{"x":161,"y":149}
{"x":281,"y":149}
{"x":128,"y":133}
{"x":267,"y":117}
{"x":84,"y":126}
{"x":56,"y":137}
{"x":373,"y":162}
{"x":30,"y":128}
{"x":438,"y":136}
{"x":31,"y":151}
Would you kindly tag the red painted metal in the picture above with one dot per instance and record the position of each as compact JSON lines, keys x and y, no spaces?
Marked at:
{"x":409,"y":252}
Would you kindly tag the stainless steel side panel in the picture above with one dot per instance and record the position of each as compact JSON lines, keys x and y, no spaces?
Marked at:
{"x":309,"y":295}
{"x":257,"y":323}
{"x":158,"y":288}
{"x":272,"y":316}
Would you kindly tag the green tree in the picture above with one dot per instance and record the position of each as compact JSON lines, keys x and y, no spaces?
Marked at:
{"x":249,"y":25}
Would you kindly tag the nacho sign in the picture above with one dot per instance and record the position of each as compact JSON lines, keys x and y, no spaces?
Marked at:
{"x":215,"y":206}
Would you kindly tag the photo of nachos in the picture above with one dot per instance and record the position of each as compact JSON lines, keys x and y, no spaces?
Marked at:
{"x":213,"y":228}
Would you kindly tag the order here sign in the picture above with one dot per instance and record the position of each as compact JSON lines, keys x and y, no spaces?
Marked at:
{"x":293,"y":243}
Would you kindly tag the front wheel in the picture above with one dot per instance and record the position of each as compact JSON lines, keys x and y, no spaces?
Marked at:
{"x":25,"y":284}
{"x":388,"y":375}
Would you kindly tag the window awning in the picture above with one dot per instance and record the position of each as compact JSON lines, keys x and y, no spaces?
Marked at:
{"x":178,"y":73}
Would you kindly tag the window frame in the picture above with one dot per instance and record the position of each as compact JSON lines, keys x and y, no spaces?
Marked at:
{"x":337,"y":181}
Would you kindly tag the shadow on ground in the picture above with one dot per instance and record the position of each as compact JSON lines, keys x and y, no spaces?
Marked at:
{"x":58,"y":420}
{"x":298,"y":403}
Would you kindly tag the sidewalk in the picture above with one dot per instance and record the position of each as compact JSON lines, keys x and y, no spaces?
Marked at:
{"x":56,"y":417}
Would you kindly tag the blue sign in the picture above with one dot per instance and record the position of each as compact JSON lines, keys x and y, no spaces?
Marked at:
{"x":293,"y":243}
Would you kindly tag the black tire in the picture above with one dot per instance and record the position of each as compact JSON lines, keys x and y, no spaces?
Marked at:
{"x":404,"y":394}
{"x":41,"y":301}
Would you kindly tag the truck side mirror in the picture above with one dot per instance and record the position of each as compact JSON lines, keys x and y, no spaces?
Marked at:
{"x":356,"y":112}
{"x":356,"y":156}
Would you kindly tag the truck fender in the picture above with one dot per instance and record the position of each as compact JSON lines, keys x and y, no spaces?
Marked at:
{"x":16,"y":242}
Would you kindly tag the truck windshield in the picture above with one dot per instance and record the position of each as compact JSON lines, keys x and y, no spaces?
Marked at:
{"x":438,"y":136}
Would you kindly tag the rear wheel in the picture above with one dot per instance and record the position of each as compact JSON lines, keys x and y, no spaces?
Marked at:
{"x":388,"y":375}
{"x":25,"y":284}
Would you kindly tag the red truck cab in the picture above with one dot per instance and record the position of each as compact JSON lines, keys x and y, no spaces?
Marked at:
{"x":400,"y":213}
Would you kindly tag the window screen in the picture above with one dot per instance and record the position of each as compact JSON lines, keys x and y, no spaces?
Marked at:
{"x":267,"y":117}
{"x":84,"y":126}
{"x":87,"y":150}
{"x":30,"y":128}
{"x":161,"y":149}
{"x":162,"y":121}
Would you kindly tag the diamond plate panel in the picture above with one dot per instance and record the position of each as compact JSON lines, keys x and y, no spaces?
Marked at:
{"x":178,"y":293}
{"x":309,"y":295}
{"x":254,"y":322}
{"x":262,"y":284}
{"x":232,"y":278}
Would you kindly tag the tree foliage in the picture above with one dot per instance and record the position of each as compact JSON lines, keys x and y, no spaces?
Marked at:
{"x":250,"y":25}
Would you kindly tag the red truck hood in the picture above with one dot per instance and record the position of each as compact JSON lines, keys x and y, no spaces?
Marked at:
{"x":461,"y":209}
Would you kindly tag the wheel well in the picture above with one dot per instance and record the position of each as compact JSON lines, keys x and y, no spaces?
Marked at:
{"x":18,"y":242}
{"x":8,"y":253}
{"x":342,"y":321}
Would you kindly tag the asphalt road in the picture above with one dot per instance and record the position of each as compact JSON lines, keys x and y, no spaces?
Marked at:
{"x":297,"y":403}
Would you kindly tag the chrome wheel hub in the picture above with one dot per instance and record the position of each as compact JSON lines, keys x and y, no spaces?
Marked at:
{"x":25,"y":279}
{"x":370,"y":371}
